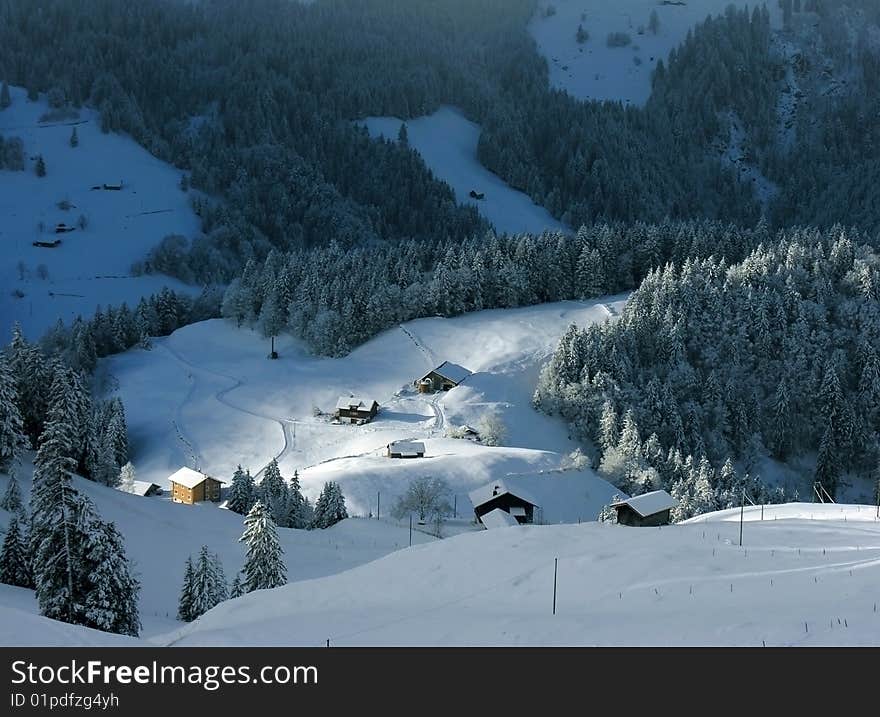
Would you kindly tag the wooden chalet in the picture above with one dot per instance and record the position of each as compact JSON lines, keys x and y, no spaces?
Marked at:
{"x":406,"y":449}
{"x":189,"y":487}
{"x":443,"y":378}
{"x":499,"y":496}
{"x":646,"y":510}
{"x":354,"y":409}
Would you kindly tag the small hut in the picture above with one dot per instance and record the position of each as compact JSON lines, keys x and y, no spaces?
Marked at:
{"x":406,"y":449}
{"x":498,"y":496}
{"x":443,"y":378}
{"x":646,"y":510}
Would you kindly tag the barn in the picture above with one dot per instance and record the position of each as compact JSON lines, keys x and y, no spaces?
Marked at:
{"x":146,"y":489}
{"x":355,"y":409}
{"x":646,"y":510}
{"x":443,"y":378}
{"x":189,"y":487}
{"x":498,"y":496}
{"x":406,"y":449}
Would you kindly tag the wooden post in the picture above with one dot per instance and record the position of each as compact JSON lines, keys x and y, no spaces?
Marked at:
{"x":378,"y":503}
{"x":555,"y":570}
{"x":410,"y":529}
{"x":742,"y":511}
{"x":455,"y":506}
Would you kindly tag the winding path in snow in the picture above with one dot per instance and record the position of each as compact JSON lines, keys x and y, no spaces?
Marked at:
{"x":221,"y":397}
{"x":431,"y":362}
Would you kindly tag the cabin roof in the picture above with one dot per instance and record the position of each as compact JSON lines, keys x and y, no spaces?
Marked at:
{"x":356,"y":402}
{"x":649,"y":503}
{"x":498,"y":519}
{"x":142,"y":487}
{"x":450,"y":371}
{"x":491,"y":491}
{"x":406,"y":447}
{"x":189,"y":478}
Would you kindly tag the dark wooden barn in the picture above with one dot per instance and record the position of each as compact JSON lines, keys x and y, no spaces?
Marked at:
{"x":353,"y":409}
{"x":646,"y":510}
{"x":498,"y":496}
{"x":443,"y":378}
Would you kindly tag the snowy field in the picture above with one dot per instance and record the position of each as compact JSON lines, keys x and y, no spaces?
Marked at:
{"x":447,"y":142}
{"x":91,"y":267}
{"x":207,"y":397}
{"x":793,"y":583}
{"x":159,"y":535}
{"x":593,"y":70}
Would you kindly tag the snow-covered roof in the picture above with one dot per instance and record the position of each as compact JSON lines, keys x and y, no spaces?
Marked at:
{"x":498,"y":519}
{"x":407,"y":448}
{"x":491,"y":491}
{"x":451,"y":371}
{"x":189,"y":478}
{"x":649,"y":503}
{"x":347,"y":402}
{"x":142,"y":487}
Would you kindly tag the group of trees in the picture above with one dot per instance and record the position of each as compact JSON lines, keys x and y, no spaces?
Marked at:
{"x":204,"y":581}
{"x":776,"y":354}
{"x":75,"y":561}
{"x":336,"y":298}
{"x":284,"y":501}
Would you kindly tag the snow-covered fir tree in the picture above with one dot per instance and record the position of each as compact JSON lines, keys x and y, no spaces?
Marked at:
{"x":264,"y":564}
{"x":11,"y":501}
{"x":15,"y":562}
{"x":237,"y":589}
{"x":241,"y":492}
{"x":273,"y":492}
{"x":299,"y":510}
{"x":12,"y":436}
{"x":208,"y":584}
{"x":187,"y":600}
{"x":330,"y":506}
{"x":111,"y":596}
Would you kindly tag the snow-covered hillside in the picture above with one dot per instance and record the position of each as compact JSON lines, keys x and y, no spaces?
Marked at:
{"x":447,"y":142}
{"x":206,"y":396}
{"x":160,"y":534}
{"x":92,"y":266}
{"x":794,"y":582}
{"x":593,"y":70}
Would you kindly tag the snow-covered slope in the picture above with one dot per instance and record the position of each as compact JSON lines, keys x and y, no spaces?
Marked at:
{"x":92,"y":266}
{"x":159,"y":535}
{"x":793,"y":582}
{"x":206,"y":396}
{"x":447,"y":142}
{"x":594,"y":71}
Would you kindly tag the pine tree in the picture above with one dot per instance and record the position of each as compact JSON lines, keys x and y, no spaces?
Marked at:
{"x":5,"y":97}
{"x":41,"y":166}
{"x":186,"y":601}
{"x":11,"y":501}
{"x":74,"y":138}
{"x":330,"y":506}
{"x":208,"y":584}
{"x":241,"y":492}
{"x":298,"y":508}
{"x":15,"y":564}
{"x":111,"y":596}
{"x":273,"y":492}
{"x":264,"y":566}
{"x":237,"y":590}
{"x":12,"y":437}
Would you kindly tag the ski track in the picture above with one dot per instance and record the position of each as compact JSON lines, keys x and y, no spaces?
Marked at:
{"x":221,"y":397}
{"x":439,"y":414}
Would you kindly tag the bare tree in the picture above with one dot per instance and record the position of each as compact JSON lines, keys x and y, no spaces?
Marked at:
{"x":492,"y":429}
{"x":427,"y":496}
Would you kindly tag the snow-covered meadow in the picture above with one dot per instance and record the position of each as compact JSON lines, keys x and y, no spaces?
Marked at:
{"x":447,"y":142}
{"x":207,"y":397}
{"x":794,"y":582}
{"x":594,"y":71}
{"x":92,"y":266}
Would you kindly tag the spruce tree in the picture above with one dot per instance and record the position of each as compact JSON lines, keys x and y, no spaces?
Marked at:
{"x":237,"y":590}
{"x":330,"y":506}
{"x":186,"y":600}
{"x":74,"y":138}
{"x":241,"y":492}
{"x":5,"y":97}
{"x":264,"y":566}
{"x":41,"y":166}
{"x":15,"y":564}
{"x":12,"y":437}
{"x":111,"y":597}
{"x":127,"y":478}
{"x":11,"y":501}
